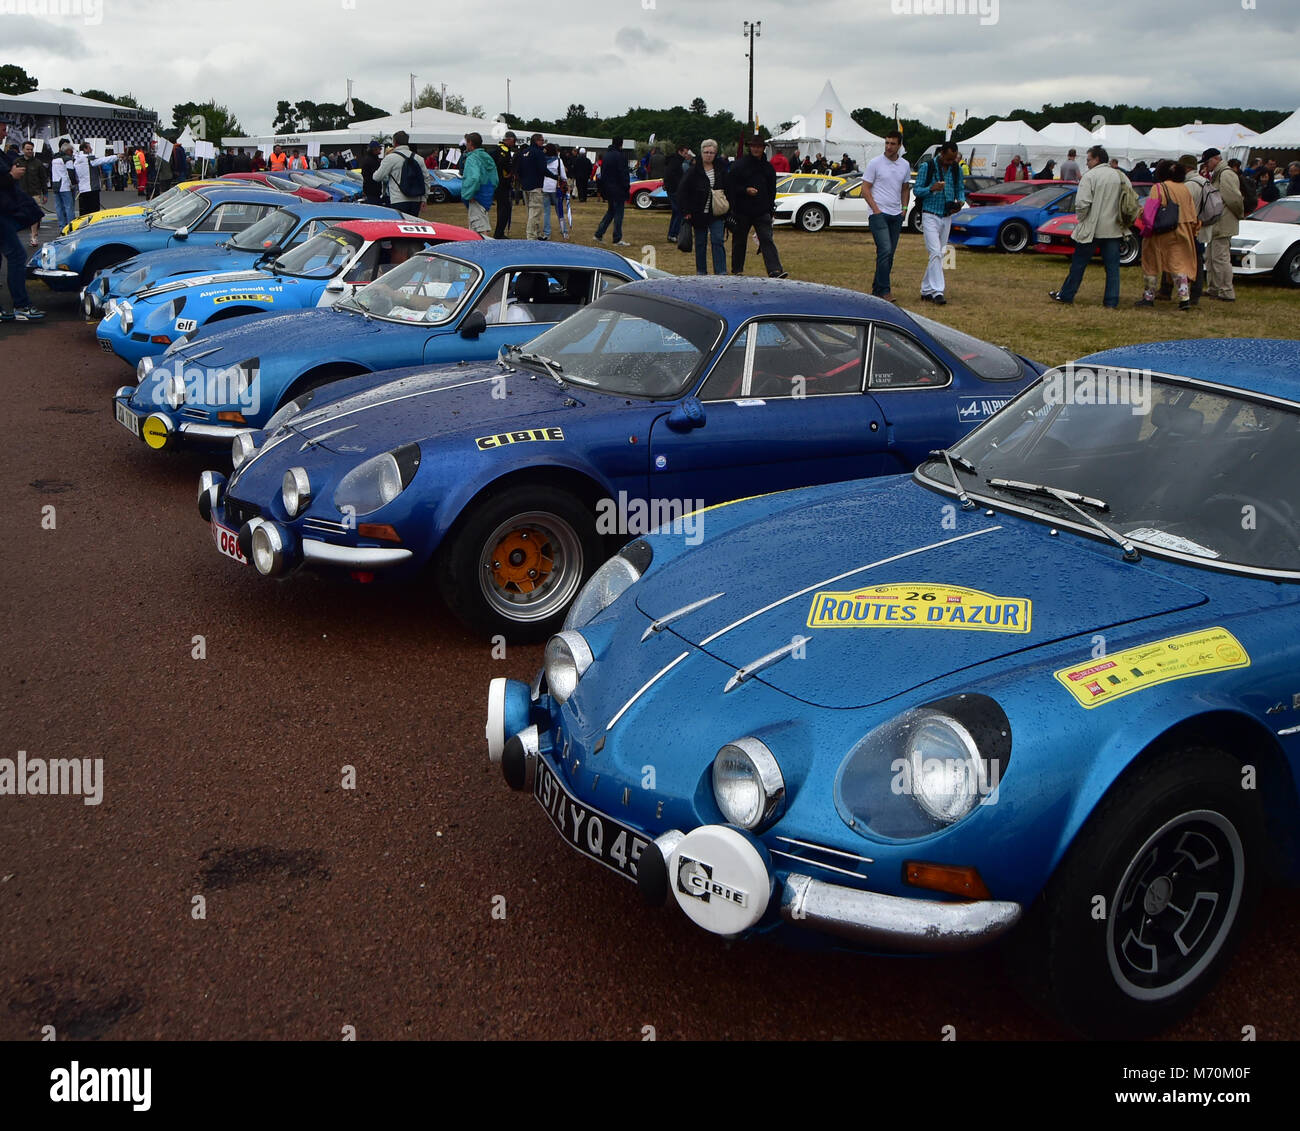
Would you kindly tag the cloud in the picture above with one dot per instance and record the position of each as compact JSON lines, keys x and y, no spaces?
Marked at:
{"x":632,"y":40}
{"x":58,"y":38}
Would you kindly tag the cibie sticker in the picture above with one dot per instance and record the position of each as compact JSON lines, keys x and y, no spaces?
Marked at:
{"x":501,"y":439}
{"x":243,"y":298}
{"x":1135,"y":669}
{"x":921,"y":605}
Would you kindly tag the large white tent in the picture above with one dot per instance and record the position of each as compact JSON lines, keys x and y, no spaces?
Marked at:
{"x":1125,"y":143}
{"x":827,"y":127}
{"x":990,"y":151}
{"x":1285,"y":135}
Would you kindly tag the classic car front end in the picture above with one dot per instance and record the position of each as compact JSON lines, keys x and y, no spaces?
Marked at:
{"x":1039,"y":680}
{"x":1268,"y":242}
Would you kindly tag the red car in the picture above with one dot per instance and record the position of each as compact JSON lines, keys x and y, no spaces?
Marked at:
{"x":1008,"y":192}
{"x":280,"y":184}
{"x":641,"y":193}
{"x":1055,"y":237}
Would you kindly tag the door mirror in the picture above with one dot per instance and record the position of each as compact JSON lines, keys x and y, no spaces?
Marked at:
{"x":475,"y":323}
{"x":183,"y":233}
{"x":335,"y":286}
{"x":686,"y":414}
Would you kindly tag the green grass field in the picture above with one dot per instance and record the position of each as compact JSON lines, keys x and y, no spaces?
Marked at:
{"x":1002,"y":298}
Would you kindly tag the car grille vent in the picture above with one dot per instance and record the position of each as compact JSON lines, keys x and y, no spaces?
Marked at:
{"x":834,"y":860}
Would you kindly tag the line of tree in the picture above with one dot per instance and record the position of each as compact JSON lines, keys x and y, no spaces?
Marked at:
{"x":691,"y":124}
{"x":304,"y":115}
{"x":431,"y":95}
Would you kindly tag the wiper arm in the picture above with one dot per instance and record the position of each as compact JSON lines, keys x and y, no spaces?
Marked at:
{"x":966,"y":465}
{"x":1071,"y":499}
{"x":552,"y":368}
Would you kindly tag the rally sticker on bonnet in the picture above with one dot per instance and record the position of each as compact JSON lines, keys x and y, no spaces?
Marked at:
{"x":920,"y":605}
{"x":1135,"y":669}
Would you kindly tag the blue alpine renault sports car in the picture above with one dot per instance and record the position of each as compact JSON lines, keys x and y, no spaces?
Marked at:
{"x":331,"y":265}
{"x":459,"y":302}
{"x":276,"y":232}
{"x":201,"y":218}
{"x":515,"y":478}
{"x":1011,"y":227}
{"x":1047,"y":688}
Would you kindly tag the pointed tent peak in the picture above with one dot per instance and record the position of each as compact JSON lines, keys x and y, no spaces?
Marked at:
{"x":1012,"y":132}
{"x":1067,"y":134}
{"x":1285,"y":135}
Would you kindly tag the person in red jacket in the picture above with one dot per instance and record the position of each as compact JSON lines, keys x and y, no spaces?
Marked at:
{"x":780,"y":164}
{"x":1017,"y":170}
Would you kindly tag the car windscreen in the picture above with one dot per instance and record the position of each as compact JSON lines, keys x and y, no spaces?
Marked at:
{"x":426,"y":288}
{"x":282,"y":183}
{"x":184,"y":211}
{"x":1041,"y":198}
{"x":1175,"y":467}
{"x":631,"y":345}
{"x":989,"y":361}
{"x":320,"y":257}
{"x":1279,"y":212}
{"x":269,"y":231}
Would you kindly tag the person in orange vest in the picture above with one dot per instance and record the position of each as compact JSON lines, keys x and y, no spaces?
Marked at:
{"x":141,"y":165}
{"x":279,"y":159}
{"x":298,"y":161}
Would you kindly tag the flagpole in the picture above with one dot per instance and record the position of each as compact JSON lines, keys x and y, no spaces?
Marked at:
{"x":412,"y":101}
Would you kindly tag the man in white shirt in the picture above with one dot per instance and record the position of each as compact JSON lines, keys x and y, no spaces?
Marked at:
{"x":886,"y":186}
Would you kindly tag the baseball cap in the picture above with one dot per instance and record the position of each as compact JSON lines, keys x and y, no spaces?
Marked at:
{"x":1210,"y":153}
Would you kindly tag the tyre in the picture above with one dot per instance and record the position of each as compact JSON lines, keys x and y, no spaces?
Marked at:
{"x":515,"y":563}
{"x":102,"y":260}
{"x":914,"y":220}
{"x":1287,"y":271}
{"x":1013,"y":236}
{"x":1130,"y":249}
{"x":1175,"y":849}
{"x":438,"y":195}
{"x":642,"y":199}
{"x":812,"y":218}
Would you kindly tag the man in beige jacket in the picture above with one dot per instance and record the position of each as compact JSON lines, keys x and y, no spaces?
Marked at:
{"x":1218,"y":258}
{"x":1097,"y":206}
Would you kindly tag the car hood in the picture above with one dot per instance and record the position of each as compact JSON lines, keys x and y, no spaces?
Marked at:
{"x":282,"y":335}
{"x":428,"y":403}
{"x":220,"y":281}
{"x":1265,"y":229}
{"x":991,"y":212}
{"x":171,"y":261}
{"x":920,"y":609}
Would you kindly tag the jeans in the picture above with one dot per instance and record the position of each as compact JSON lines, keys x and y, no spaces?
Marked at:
{"x":11,"y":247}
{"x":613,"y":212}
{"x":762,"y":226}
{"x":712,"y":236}
{"x":1080,"y":260}
{"x":548,"y":205}
{"x":675,"y":224}
{"x":935,"y":230}
{"x":885,"y":230}
{"x":410,"y":207}
{"x":64,"y":208}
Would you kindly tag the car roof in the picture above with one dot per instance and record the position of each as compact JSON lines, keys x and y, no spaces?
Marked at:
{"x":738,"y":298}
{"x":307,"y":209}
{"x":395,"y":229}
{"x":1268,"y":366}
{"x":492,"y":254}
{"x":252,"y":194}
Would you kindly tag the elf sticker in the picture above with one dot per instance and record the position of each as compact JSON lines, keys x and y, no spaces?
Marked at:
{"x":1135,"y":669}
{"x":920,"y":605}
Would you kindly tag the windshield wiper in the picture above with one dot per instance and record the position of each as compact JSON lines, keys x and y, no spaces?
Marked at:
{"x":965,"y":465}
{"x":1070,"y":499}
{"x":553,"y":369}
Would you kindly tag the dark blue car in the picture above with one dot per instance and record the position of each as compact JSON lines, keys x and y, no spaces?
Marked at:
{"x":1011,"y":227}
{"x":1046,"y":690}
{"x":515,"y":478}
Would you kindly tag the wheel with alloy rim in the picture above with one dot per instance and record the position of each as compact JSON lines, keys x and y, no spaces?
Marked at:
{"x":1013,"y":237}
{"x":642,"y":199}
{"x":914,"y":219}
{"x":812,"y":218}
{"x":1150,"y":901}
{"x":439,"y":195}
{"x":517,"y":562}
{"x":1287,"y":270}
{"x":1130,"y":249}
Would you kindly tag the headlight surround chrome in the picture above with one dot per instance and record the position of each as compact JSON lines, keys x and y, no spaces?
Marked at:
{"x":748,"y":785}
{"x":143,"y":368}
{"x":125,"y":315}
{"x":568,"y":656}
{"x":609,"y":582}
{"x":241,"y":450}
{"x":925,"y":769}
{"x":47,"y":256}
{"x":295,"y":491}
{"x":174,"y":391}
{"x":378,"y":481}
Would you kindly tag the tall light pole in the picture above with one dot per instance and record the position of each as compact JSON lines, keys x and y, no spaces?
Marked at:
{"x":752,"y":32}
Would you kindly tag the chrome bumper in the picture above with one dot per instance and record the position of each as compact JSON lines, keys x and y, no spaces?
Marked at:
{"x":225,"y":432}
{"x":54,"y":273}
{"x":893,"y":922}
{"x":356,"y":557}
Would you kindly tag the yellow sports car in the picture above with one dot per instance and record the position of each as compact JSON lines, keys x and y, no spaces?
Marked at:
{"x":136,"y":209}
{"x":791,"y":184}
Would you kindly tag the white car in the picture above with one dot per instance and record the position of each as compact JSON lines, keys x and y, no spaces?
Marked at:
{"x":1270,"y":241}
{"x":813,"y":211}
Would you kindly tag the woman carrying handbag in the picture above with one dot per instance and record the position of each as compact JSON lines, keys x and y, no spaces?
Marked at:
{"x":703,"y":203}
{"x":1168,"y":225}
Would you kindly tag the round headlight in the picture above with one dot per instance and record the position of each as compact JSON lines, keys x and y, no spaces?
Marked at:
{"x":110,"y":308}
{"x":944,"y":767}
{"x":268,"y":549}
{"x":126,"y":316}
{"x":174,"y":391}
{"x":46,"y":256}
{"x":568,"y":656}
{"x":143,"y":368}
{"x":295,"y":490}
{"x":747,"y":784}
{"x":241,"y":450}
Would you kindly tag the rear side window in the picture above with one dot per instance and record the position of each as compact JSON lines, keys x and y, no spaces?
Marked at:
{"x":898,"y":362}
{"x":990,"y":362}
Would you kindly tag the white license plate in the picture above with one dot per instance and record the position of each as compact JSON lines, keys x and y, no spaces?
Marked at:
{"x":227,"y":542}
{"x":593,"y":834}
{"x":126,"y":418}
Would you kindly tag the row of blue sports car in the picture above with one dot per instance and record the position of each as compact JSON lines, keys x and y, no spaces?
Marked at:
{"x":858,"y":628}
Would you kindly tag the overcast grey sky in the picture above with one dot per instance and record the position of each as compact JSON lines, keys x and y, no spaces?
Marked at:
{"x":612,"y":54}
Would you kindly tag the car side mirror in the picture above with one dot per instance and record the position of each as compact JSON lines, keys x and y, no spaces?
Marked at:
{"x":335,"y":286}
{"x":475,"y":324}
{"x":688,"y":413}
{"x":183,"y":233}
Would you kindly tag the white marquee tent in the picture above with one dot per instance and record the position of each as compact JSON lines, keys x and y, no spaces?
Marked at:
{"x":990,"y":151}
{"x":811,"y":134}
{"x":1285,"y":135}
